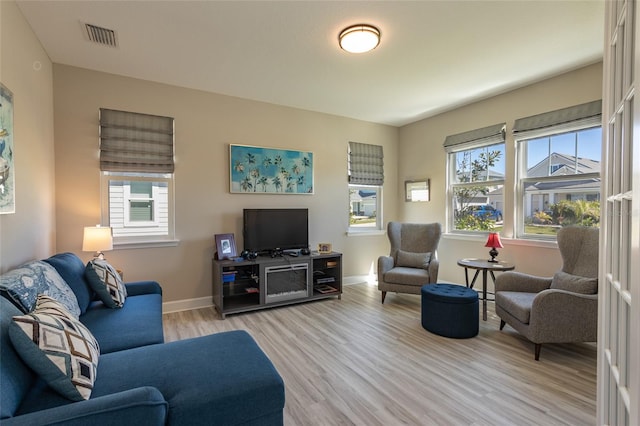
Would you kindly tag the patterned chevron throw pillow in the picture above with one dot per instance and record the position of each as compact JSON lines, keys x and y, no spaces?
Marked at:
{"x":55,"y":345}
{"x":106,"y":282}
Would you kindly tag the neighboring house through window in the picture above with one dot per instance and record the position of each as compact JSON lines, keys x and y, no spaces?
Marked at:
{"x":559,"y":156}
{"x":136,"y":161}
{"x":366,"y":176}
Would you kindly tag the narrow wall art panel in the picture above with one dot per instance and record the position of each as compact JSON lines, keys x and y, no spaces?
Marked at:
{"x":257,"y":170}
{"x":7,"y":172}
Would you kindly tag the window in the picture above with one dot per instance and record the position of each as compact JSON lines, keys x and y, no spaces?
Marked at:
{"x":366,"y":176}
{"x":364,"y":207}
{"x":475,"y":179}
{"x":141,"y":202}
{"x":136,"y":160}
{"x":138,"y":205}
{"x":558,"y":170}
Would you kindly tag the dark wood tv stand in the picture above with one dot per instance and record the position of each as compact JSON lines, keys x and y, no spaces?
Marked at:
{"x":244,"y":285}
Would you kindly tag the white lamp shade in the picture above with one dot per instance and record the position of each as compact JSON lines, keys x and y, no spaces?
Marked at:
{"x":97,"y":238}
{"x":359,"y":38}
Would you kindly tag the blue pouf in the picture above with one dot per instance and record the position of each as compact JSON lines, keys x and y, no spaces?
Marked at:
{"x":450,"y":310}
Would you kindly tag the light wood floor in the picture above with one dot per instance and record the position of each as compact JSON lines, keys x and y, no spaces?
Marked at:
{"x":357,"y":362}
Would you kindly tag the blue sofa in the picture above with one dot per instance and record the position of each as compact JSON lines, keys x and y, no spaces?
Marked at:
{"x":220,"y":379}
{"x":138,"y":322}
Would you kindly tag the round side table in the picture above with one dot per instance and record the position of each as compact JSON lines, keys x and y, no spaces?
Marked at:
{"x":484,"y":266}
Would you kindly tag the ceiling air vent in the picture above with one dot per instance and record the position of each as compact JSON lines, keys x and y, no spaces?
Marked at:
{"x":100,"y":35}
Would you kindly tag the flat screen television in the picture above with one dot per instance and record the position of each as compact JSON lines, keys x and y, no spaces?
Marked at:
{"x":268,"y":230}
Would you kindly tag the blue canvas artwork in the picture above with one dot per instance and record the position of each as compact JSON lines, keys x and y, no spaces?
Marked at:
{"x":256,"y":170}
{"x":7,"y":173}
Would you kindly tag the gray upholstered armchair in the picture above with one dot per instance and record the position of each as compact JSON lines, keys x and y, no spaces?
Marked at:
{"x":561,"y":309}
{"x":413,"y":261}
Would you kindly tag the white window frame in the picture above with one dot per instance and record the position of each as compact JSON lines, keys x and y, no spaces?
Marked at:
{"x":451,"y":168}
{"x":146,"y":235}
{"x":522,"y":169}
{"x":155,"y":200}
{"x":365,"y":168}
{"x":367,"y":229}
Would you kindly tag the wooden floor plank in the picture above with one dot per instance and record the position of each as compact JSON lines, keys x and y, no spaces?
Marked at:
{"x":355,"y":361}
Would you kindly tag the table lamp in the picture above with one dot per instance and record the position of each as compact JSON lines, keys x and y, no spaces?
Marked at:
{"x":97,"y":239}
{"x":494,"y":242}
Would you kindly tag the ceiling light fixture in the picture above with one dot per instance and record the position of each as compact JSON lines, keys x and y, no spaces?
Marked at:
{"x":359,"y":38}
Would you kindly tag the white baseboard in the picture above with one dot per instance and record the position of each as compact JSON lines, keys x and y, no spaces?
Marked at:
{"x":186,"y":304}
{"x":205,"y":302}
{"x":359,"y":279}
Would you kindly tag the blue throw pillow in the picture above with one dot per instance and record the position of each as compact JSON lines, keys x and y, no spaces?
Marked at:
{"x":55,"y":345}
{"x":106,"y":282}
{"x":71,"y":269}
{"x":24,"y":283}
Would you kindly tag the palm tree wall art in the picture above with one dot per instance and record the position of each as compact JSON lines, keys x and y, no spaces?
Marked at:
{"x":258,"y":170}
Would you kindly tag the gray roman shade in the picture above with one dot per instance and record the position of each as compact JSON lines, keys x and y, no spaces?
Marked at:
{"x":559,"y":121}
{"x":366,"y":166}
{"x":489,"y":135}
{"x":134,"y":142}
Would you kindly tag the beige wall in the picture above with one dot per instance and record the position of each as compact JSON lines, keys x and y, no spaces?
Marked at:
{"x":56,"y":199}
{"x":205,"y":126}
{"x":26,"y":70}
{"x":422,"y":155}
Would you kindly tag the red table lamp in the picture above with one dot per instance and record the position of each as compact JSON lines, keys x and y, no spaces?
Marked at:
{"x":494,"y":242}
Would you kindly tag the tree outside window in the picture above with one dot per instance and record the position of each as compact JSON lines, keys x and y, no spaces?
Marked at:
{"x":477,"y":180}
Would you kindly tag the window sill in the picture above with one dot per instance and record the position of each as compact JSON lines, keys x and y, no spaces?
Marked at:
{"x":506,"y":241}
{"x":365,"y":233}
{"x":530,"y":242}
{"x":145,"y":244}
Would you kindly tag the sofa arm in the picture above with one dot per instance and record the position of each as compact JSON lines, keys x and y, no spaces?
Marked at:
{"x":143,"y":405}
{"x":563,"y":316}
{"x":143,"y":287}
{"x":518,"y":281}
{"x":385,"y":264}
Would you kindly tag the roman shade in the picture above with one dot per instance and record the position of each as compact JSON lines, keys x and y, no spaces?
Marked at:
{"x":136,"y":143}
{"x":366,"y":165}
{"x":484,"y":136}
{"x":559,"y":121}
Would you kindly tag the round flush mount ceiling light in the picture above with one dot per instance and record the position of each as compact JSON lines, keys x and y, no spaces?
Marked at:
{"x":359,"y":38}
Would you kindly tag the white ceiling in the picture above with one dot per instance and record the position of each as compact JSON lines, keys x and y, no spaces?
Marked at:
{"x":433,"y":56}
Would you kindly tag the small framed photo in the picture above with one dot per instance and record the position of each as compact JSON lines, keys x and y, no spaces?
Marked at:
{"x":324,"y":248}
{"x":225,"y":246}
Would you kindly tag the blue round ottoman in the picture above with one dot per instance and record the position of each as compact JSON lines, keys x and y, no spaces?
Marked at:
{"x":450,"y":310}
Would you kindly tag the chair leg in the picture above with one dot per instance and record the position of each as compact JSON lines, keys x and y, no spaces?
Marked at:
{"x":537,"y":350}
{"x":502,"y":323}
{"x":384,"y":294}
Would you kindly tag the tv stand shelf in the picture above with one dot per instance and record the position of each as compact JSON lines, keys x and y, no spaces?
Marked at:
{"x":265,"y":282}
